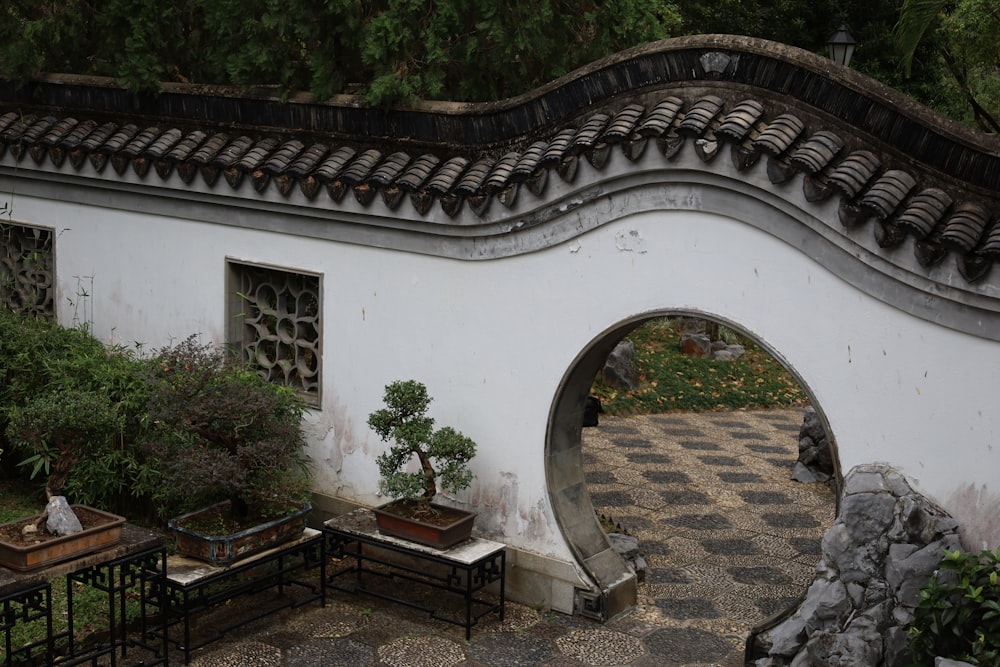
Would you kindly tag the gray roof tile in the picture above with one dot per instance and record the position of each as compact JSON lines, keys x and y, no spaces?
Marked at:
{"x":902,"y":196}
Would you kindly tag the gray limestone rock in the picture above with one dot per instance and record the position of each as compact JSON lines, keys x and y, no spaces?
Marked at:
{"x":787,"y":638}
{"x":815,"y":451}
{"x":812,"y":427}
{"x":802,"y":472}
{"x":61,"y":520}
{"x":867,"y":515}
{"x":909,"y":573}
{"x":826,"y":605}
{"x":859,"y":645}
{"x":865,"y":481}
{"x":619,"y":368}
{"x":883,"y":548}
{"x":727,"y":352}
{"x":895,"y":641}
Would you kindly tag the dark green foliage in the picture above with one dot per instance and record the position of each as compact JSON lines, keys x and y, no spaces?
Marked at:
{"x":471,"y":50}
{"x":44,"y":366}
{"x":390,"y":49}
{"x":961,"y":41}
{"x":672,"y":380}
{"x":958,"y":615}
{"x":180,"y":430}
{"x":221,"y":432}
{"x":476,"y":50}
{"x":443,"y":455}
{"x":58,"y":430}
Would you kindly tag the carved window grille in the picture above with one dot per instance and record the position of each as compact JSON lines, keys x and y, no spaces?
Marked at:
{"x":26,"y":270}
{"x":276,"y":322}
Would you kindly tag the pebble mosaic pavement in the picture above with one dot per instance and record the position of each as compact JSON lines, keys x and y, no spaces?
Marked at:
{"x":728,"y":539}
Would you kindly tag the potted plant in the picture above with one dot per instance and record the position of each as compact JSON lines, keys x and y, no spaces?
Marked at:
{"x":441,"y":456}
{"x":229,"y":448}
{"x":56,"y":430}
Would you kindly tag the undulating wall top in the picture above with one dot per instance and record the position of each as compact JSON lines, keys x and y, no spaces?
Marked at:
{"x":465,"y":170}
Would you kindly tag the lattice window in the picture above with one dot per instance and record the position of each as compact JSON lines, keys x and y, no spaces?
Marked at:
{"x":276,"y":317}
{"x":26,"y":268}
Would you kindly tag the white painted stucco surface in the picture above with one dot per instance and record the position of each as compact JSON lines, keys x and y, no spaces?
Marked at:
{"x":492,"y":339}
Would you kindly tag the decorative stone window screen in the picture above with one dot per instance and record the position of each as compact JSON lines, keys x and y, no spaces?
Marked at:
{"x":275,"y":324}
{"x":26,"y":270}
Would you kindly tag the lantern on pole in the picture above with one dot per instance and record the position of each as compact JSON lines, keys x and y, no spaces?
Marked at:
{"x":841,"y":45}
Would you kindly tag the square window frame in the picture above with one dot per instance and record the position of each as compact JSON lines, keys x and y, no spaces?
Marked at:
{"x":235,"y":304}
{"x":53,"y":311}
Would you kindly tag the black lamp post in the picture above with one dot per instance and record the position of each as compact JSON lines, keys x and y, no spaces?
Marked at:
{"x":841,"y":46}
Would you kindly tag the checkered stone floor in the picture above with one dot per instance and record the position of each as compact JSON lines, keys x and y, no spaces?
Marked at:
{"x":728,"y":538}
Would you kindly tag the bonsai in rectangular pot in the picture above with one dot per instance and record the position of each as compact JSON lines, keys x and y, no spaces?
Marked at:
{"x":230,"y":451}
{"x":55,"y":429}
{"x":442,"y":456}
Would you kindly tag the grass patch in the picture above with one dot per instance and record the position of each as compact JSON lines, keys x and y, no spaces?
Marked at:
{"x":671,"y":380}
{"x":19,"y":499}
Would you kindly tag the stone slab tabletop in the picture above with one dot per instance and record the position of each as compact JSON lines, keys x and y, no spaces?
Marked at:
{"x":185,"y":571}
{"x":361,"y":522}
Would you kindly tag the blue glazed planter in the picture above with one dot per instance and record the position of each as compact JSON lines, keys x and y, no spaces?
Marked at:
{"x":222,"y":550}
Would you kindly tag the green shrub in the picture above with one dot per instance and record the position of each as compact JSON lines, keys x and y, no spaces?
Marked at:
{"x":958,"y":615}
{"x":218,"y":431}
{"x":41,"y":361}
{"x":58,"y":429}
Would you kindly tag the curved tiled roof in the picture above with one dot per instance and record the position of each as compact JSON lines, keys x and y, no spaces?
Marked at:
{"x":899,"y":169}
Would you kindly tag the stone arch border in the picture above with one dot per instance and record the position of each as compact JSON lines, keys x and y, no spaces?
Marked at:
{"x":614,"y":587}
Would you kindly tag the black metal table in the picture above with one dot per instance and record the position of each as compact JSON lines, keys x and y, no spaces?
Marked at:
{"x":135,"y":564}
{"x":464,"y":570}
{"x":192,"y":586}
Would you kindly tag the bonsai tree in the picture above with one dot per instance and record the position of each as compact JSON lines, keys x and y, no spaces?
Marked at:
{"x":219,"y":431}
{"x":442,"y":455}
{"x":57,"y":430}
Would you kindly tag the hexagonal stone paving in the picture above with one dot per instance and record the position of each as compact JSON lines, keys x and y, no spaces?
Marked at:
{"x":337,"y":652}
{"x":700,"y":446}
{"x":700,"y":521}
{"x":730,"y":547}
{"x":740,"y":477}
{"x":610,"y":499}
{"x":685,"y":497}
{"x":510,"y":650}
{"x":421,"y":652}
{"x":771,"y":606}
{"x":633,"y":443}
{"x":763,"y":575}
{"x":251,"y":654}
{"x":668,"y":575}
{"x":765,"y":497}
{"x":599,"y":477}
{"x":644,"y":458}
{"x":729,"y":461}
{"x":600,"y":647}
{"x":790,"y":520}
{"x":807,"y":545}
{"x":666,"y":476}
{"x":687,"y":608}
{"x":680,"y":645}
{"x":767,"y":449}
